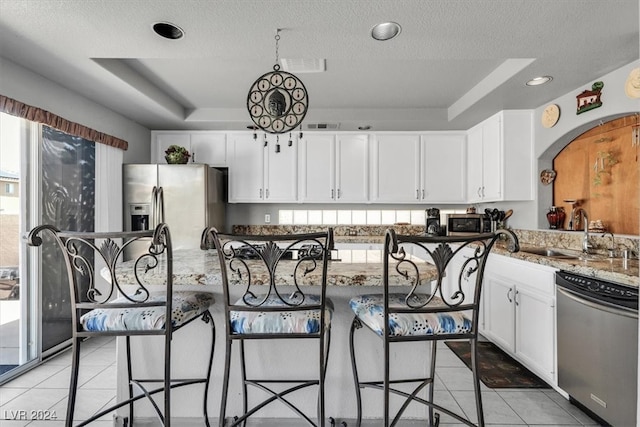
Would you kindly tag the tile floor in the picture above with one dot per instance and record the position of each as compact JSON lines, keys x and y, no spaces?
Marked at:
{"x":45,"y":389}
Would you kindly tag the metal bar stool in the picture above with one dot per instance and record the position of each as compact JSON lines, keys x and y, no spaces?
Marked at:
{"x":103,"y":305}
{"x":436,"y":312}
{"x":282,"y":280}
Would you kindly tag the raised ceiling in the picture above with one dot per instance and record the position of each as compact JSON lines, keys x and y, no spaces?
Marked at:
{"x":453,"y":64}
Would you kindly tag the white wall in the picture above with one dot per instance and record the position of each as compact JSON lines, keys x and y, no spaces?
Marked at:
{"x":26,"y":86}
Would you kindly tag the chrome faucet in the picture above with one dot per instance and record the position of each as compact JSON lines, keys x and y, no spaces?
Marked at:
{"x":612,"y":249}
{"x":586,"y":246}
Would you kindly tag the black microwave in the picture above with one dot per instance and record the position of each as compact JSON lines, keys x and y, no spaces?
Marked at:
{"x":467,"y":224}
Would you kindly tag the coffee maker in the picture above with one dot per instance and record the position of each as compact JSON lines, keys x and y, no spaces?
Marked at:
{"x":432,"y":218}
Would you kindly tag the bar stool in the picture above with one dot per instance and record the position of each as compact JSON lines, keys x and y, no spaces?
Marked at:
{"x":445,"y":310}
{"x":282,"y":281}
{"x":105,"y":304}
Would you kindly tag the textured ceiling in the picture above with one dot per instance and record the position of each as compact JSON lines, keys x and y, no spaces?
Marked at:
{"x":454,"y":63}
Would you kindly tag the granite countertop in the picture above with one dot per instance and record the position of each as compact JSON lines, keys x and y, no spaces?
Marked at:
{"x":198,"y":267}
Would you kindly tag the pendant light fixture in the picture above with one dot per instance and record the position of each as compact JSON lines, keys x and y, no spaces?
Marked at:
{"x":277,"y":101}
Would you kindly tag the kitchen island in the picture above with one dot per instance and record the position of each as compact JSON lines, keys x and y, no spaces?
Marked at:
{"x":351,"y":272}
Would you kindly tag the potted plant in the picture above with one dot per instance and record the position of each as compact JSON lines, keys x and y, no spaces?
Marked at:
{"x":176,"y":155}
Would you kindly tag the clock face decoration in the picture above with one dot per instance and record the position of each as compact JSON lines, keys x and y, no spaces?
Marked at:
{"x":550,"y":116}
{"x":277,"y":101}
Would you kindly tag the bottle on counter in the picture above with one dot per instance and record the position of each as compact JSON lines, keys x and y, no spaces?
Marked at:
{"x":556,"y":217}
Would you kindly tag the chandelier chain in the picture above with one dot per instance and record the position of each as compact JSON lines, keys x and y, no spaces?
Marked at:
{"x":277,"y":37}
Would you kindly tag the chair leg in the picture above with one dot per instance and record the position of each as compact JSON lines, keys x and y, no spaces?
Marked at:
{"x":243,"y":372}
{"x":355,"y":325}
{"x":434,"y":347}
{"x":476,"y":380}
{"x":325,"y":343}
{"x":73,"y":383}
{"x":208,"y":319}
{"x":386,"y":385}
{"x":225,"y":382}
{"x":167,"y":380}
{"x":129,"y":376}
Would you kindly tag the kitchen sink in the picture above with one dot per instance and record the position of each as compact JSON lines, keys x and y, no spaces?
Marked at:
{"x":551,"y":253}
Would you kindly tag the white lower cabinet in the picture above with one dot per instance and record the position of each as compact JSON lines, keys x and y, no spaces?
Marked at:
{"x":519,"y":313}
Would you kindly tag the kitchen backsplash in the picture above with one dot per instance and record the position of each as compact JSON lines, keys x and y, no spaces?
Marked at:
{"x":374,"y":233}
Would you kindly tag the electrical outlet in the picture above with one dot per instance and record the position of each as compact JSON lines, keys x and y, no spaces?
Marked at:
{"x":267,"y":218}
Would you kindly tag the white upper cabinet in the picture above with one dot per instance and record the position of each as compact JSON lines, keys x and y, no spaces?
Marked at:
{"x":205,"y":147}
{"x":209,"y":148}
{"x":414,"y":168}
{"x":444,"y":159}
{"x":257,"y":173}
{"x":500,"y":158}
{"x":395,"y":168}
{"x":334,"y":168}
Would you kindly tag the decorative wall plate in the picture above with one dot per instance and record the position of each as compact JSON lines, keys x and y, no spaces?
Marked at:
{"x":547,"y":176}
{"x":632,"y":85}
{"x":550,"y":115}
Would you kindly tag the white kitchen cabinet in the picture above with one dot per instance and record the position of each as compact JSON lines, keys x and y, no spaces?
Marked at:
{"x":205,"y":146}
{"x":395,"y":168}
{"x":334,"y":168}
{"x":443,"y":168}
{"x":500,"y":158}
{"x":418,"y":168}
{"x":257,"y":173}
{"x":519,"y":312}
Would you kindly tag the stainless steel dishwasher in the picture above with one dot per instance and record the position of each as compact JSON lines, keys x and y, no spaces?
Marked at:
{"x":598,"y":346}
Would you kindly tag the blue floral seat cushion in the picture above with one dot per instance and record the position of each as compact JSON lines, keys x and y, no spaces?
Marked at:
{"x":370,"y":310}
{"x":280,"y":322}
{"x":186,"y":306}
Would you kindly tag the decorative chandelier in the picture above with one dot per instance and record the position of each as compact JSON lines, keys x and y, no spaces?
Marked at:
{"x":277,"y":101}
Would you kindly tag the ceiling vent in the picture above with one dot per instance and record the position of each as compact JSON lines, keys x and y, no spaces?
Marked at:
{"x":297,"y":66}
{"x":323,"y":126}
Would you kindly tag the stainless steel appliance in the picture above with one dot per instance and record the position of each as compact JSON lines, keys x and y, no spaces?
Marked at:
{"x":187,"y":197}
{"x":466,"y":224}
{"x":598,"y":346}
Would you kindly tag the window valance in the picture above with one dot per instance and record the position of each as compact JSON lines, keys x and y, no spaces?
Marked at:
{"x":35,"y":114}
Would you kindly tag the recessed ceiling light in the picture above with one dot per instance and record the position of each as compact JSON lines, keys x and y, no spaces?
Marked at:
{"x":536,"y":81}
{"x":168,"y":30}
{"x":365,"y":127}
{"x":385,"y":31}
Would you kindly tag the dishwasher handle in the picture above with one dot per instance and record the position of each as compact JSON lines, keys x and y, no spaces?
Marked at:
{"x":598,"y":305}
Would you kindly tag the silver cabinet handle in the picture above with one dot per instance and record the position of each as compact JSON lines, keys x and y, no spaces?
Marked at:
{"x":479,"y":190}
{"x":332,"y":194}
{"x":267,"y":193}
{"x":516,"y":298}
{"x":483,"y":191}
{"x":417,"y":194}
{"x":423,"y":194}
{"x":338,"y":193}
{"x":508,"y":294}
{"x":261,"y":193}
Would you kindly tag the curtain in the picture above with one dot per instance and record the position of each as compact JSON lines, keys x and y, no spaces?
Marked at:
{"x":108,"y":215}
{"x":34,"y":114}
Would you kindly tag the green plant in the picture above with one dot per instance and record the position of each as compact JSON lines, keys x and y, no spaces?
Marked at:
{"x":177,"y":154}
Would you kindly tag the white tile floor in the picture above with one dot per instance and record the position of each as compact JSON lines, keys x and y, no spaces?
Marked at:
{"x":45,"y":389}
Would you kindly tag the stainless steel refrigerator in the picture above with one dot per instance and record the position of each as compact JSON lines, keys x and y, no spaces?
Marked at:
{"x":187,"y":197}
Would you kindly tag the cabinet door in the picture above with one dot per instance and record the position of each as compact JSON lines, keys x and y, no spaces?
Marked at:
{"x":396,"y":168}
{"x":443,"y":168}
{"x":246,"y":168}
{"x":209,"y":148}
{"x":352,"y":168}
{"x":317,"y":168}
{"x":474,"y":164}
{"x":535,"y":331}
{"x":161,"y":141}
{"x":492,"y":159}
{"x":281,"y":172}
{"x":499,"y":311}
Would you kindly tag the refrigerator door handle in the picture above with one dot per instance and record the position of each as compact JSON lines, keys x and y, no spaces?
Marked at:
{"x":160,"y":206}
{"x":154,"y":207}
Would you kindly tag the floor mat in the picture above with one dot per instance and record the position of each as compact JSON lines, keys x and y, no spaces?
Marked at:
{"x":6,"y":368}
{"x":496,"y":368}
